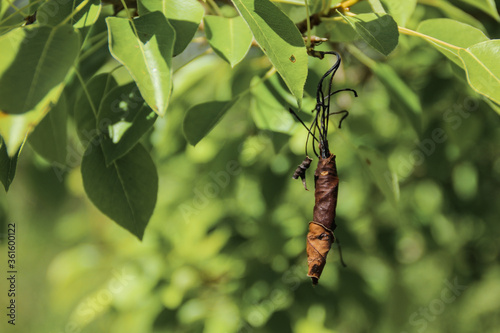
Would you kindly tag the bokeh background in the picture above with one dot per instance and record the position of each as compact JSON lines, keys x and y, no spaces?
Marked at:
{"x":418,"y":213}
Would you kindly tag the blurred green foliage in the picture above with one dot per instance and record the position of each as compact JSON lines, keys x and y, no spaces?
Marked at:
{"x":225,"y":249}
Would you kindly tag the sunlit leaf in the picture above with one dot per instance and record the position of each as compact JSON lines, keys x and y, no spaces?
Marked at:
{"x":126,"y":191}
{"x":458,"y":14}
{"x":380,"y":31}
{"x":124,"y":118}
{"x":8,"y":165}
{"x":488,"y":6}
{"x":15,"y":127}
{"x":144,"y":46}
{"x":202,"y":118}
{"x":4,"y":5}
{"x":481,"y":64}
{"x":34,"y":62}
{"x":54,"y":12}
{"x":280,"y":40}
{"x":49,"y":139}
{"x":454,"y":34}
{"x":184,"y":16}
{"x":401,"y":11}
{"x":230,"y":38}
{"x":269,"y":112}
{"x":377,"y":6}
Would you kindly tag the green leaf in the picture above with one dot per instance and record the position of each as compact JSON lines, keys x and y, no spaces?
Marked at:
{"x":124,"y":118}
{"x":54,"y":12}
{"x":458,"y":14}
{"x":8,"y":165}
{"x":481,"y":65}
{"x":269,"y":112}
{"x":488,"y":6}
{"x":493,"y":106}
{"x":280,"y":40}
{"x":380,"y":31}
{"x":184,"y":16}
{"x":14,"y":128}
{"x":4,"y":5}
{"x":449,"y":35}
{"x":377,"y":6}
{"x":85,"y":118}
{"x":144,"y":46}
{"x":49,"y":139}
{"x":230,"y":38}
{"x":33,"y":65}
{"x":340,"y":31}
{"x":401,"y":11}
{"x":378,"y":169}
{"x":202,"y":118}
{"x":126,"y":191}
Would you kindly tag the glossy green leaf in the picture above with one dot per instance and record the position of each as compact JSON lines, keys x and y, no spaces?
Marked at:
{"x":144,"y":46}
{"x":457,"y":14}
{"x":378,"y":170}
{"x":8,"y":165}
{"x":380,"y":31}
{"x":42,"y":57}
{"x":54,"y":12}
{"x":270,"y":112}
{"x":124,"y":117}
{"x":280,"y":40}
{"x":85,"y":118}
{"x":184,"y":16}
{"x":488,"y":6}
{"x":202,"y":118}
{"x":125,"y":191}
{"x":230,"y":38}
{"x":49,"y":139}
{"x":448,"y":36}
{"x":481,"y":63}
{"x":401,"y":11}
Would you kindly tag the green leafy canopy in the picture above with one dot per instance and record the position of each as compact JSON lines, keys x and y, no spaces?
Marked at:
{"x":121,"y":86}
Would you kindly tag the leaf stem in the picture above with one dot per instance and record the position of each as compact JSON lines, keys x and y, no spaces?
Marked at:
{"x":308,"y":44}
{"x":74,"y":12}
{"x":289,"y":2}
{"x":93,"y":48}
{"x":19,"y":11}
{"x":409,"y":32}
{"x":215,"y":7}
{"x":84,"y":87}
{"x":315,"y":19}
